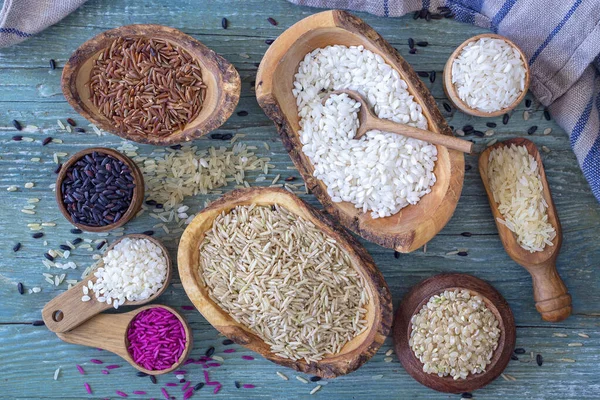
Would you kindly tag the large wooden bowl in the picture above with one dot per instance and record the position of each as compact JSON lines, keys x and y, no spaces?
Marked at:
{"x":419,"y":296}
{"x":222,"y":81}
{"x":379,"y":310}
{"x":411,"y":227}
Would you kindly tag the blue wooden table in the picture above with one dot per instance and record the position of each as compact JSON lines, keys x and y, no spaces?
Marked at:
{"x":30,"y":92}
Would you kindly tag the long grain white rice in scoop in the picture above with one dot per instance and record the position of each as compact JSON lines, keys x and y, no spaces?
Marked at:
{"x":516,"y":185}
{"x":380,"y":172}
{"x":488,"y":74}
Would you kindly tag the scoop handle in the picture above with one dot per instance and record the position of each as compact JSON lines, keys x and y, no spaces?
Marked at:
{"x":552,"y":298}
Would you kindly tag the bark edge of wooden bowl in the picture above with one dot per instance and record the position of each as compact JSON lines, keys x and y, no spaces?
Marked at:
{"x":418,"y":296}
{"x":414,"y":225}
{"x":356,"y":352}
{"x":450,"y":89}
{"x":222,"y":79}
{"x":136,"y":200}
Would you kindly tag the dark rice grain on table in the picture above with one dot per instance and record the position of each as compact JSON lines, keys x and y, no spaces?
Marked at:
{"x":423,"y":74}
{"x":39,"y":322}
{"x":80,"y":130}
{"x":432,"y":76}
{"x":227,"y":342}
{"x":17,"y":138}
{"x":411,"y":43}
{"x":315,"y":378}
{"x":423,"y":13}
{"x":175,"y":147}
{"x":37,"y":235}
{"x":463,"y":253}
{"x":491,"y":124}
{"x":478,"y":133}
{"x":396,"y":254}
{"x":52,"y":64}
{"x":20,"y":288}
{"x":519,"y":350}
{"x":76,"y":231}
{"x":210,"y":351}
{"x":238,"y":385}
{"x":467,"y":128}
{"x":467,"y":395}
{"x":151,"y":202}
{"x":149,"y":233}
{"x":65,"y":247}
{"x":153,"y":379}
{"x":46,"y":141}
{"x":532,"y":130}
{"x":269,"y":41}
{"x":158,"y":205}
{"x":447,"y":107}
{"x":71,"y":122}
{"x":218,"y":136}
{"x":100,"y":245}
{"x":547,"y":114}
{"x":527,"y":103}
{"x":413,"y":51}
{"x":198,"y":386}
{"x":17,"y":125}
{"x":467,"y":167}
{"x":539,"y":359}
{"x":272,"y":21}
{"x":227,"y":136}
{"x":58,"y":168}
{"x":505,"y":119}
{"x":242,"y":113}
{"x":17,"y":247}
{"x":466,"y":234}
{"x":224,"y":23}
{"x":422,"y":43}
{"x":77,"y":240}
{"x":141,"y":374}
{"x":48,"y":257}
{"x":514,"y":357}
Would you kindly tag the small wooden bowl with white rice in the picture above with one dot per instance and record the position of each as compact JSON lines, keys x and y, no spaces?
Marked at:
{"x":407,"y":224}
{"x":237,"y":252}
{"x":480,"y":95}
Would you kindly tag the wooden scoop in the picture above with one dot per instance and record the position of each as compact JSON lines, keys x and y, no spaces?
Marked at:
{"x":109,"y":332}
{"x":368,"y":121}
{"x":67,"y":311}
{"x":549,"y":291}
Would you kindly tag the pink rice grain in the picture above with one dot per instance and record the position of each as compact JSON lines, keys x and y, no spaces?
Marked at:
{"x":180,"y":372}
{"x":189,"y":361}
{"x":171,"y":384}
{"x":188,"y":394}
{"x":229,"y":351}
{"x":121,"y":393}
{"x":113,"y":366}
{"x":165,"y":393}
{"x":213,"y":364}
{"x":248,"y":386}
{"x":247,"y":358}
{"x":187,"y":385}
{"x":87,"y":388}
{"x":139,"y":392}
{"x":80,"y":369}
{"x":96,"y":361}
{"x":217,"y":388}
{"x":105,"y":372}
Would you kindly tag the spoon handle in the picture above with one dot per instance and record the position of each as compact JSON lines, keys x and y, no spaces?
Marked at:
{"x":552,"y":298}
{"x":450,"y":142}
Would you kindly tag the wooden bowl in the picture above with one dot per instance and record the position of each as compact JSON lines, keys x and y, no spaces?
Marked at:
{"x":552,"y":299}
{"x":136,"y":200}
{"x":419,"y":296}
{"x":66,"y":311}
{"x":109,"y":332}
{"x":452,"y":93}
{"x":379,"y":310}
{"x":222,"y":80}
{"x":411,"y":227}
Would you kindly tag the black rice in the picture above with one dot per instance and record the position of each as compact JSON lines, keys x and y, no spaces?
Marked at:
{"x":422,"y":43}
{"x":527,"y":103}
{"x":463,"y":253}
{"x":514,"y":357}
{"x":315,"y":378}
{"x":58,"y":168}
{"x":77,"y":240}
{"x":149,"y":233}
{"x":491,"y":124}
{"x":198,"y":386}
{"x":467,"y":395}
{"x":17,"y":247}
{"x":227,"y":342}
{"x":466,"y":234}
{"x":539,"y":359}
{"x":519,"y":350}
{"x":46,"y":141}
{"x":48,"y":257}
{"x":224,"y":23}
{"x":76,"y":231}
{"x":210,"y":351}
{"x":467,"y":128}
{"x":432,"y":76}
{"x":65,"y":247}
{"x":272,"y":21}
{"x":505,"y":119}
{"x":71,"y":122}
{"x":97,"y":190}
{"x":39,"y":322}
{"x":478,"y":133}
{"x":17,"y":138}
{"x":447,"y":107}
{"x":17,"y":125}
{"x":100,"y":245}
{"x":396,"y":254}
{"x":423,"y":13}
{"x":153,"y":379}
{"x":218,"y":136}
{"x":227,"y":136}
{"x":413,"y":51}
{"x":411,"y":43}
{"x":547,"y":114}
{"x":141,"y":374}
{"x":532,"y":130}
{"x":242,"y":113}
{"x":423,"y":74}
{"x":238,"y":385}
{"x":20,"y":288}
{"x":269,"y":41}
{"x":468,"y":167}
{"x":81,"y":130}
{"x":37,"y":235}
{"x":52,"y":64}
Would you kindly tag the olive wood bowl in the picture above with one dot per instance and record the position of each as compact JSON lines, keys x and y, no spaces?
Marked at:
{"x":452,"y":93}
{"x":414,"y":225}
{"x":419,"y":296}
{"x":109,"y":332}
{"x":221,"y":78}
{"x":552,"y":299}
{"x":379,"y":310}
{"x":66,"y":311}
{"x":136,"y":200}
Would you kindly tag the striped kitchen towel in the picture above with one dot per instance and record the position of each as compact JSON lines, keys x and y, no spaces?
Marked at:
{"x":21,"y":19}
{"x":561,"y":39}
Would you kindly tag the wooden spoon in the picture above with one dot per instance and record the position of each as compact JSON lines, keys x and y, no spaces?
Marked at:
{"x":552,"y":299}
{"x":66,"y":311}
{"x":368,"y":121}
{"x":419,"y":296}
{"x":109,"y":332}
{"x":379,"y":309}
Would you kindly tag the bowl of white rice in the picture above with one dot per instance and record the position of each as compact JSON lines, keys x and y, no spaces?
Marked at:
{"x":392,"y":190}
{"x":486,"y":76}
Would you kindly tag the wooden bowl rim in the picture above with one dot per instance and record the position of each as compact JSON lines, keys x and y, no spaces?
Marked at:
{"x":508,"y":238}
{"x":411,"y":304}
{"x":226,"y":102}
{"x":430,"y":223}
{"x":331,"y":366}
{"x":450,"y":89}
{"x":188,"y":344}
{"x":136,"y":200}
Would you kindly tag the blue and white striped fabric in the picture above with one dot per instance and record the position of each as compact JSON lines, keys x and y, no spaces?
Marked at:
{"x":561,"y":39}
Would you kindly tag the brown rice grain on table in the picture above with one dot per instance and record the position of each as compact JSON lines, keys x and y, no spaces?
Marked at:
{"x":283,"y":278}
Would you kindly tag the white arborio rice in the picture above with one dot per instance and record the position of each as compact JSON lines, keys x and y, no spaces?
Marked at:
{"x":380,"y":172}
{"x":488,"y":74}
{"x":454,"y":334}
{"x":517,"y":188}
